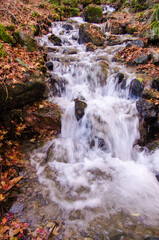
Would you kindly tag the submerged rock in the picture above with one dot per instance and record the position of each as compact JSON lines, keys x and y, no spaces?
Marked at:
{"x":136,"y":88}
{"x":93,"y":14}
{"x":91,"y":33}
{"x":67,"y":27}
{"x":79,"y":109}
{"x":57,"y":84}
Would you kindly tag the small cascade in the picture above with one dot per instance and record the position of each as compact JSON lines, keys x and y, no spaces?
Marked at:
{"x":94,"y":165}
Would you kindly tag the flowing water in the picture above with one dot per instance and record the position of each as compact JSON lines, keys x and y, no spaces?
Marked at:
{"x":94,"y":170}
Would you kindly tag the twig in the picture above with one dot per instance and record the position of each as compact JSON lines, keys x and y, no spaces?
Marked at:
{"x":16,"y":168}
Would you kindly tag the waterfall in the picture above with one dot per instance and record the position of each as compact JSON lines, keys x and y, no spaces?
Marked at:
{"x":95,"y":166}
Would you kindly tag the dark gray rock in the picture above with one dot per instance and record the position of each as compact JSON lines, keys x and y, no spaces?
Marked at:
{"x":155,"y":84}
{"x":20,"y":94}
{"x":138,"y":43}
{"x":136,"y":88}
{"x":144,"y":58}
{"x":91,"y":33}
{"x":147,"y":110}
{"x":58,"y":84}
{"x":79,"y":109}
{"x":50,"y":66}
{"x":55,"y":40}
{"x":67,"y":27}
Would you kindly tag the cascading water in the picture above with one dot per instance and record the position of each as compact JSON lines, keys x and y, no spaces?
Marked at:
{"x":93,"y":166}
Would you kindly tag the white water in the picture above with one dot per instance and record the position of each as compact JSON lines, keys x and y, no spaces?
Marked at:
{"x":79,"y":176}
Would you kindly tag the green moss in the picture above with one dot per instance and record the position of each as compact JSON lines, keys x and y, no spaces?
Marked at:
{"x":55,"y":2}
{"x":2,"y":52}
{"x":93,"y":13}
{"x":4,"y":36}
{"x":34,"y":14}
{"x":71,"y":3}
{"x":11,"y":27}
{"x":87,"y":2}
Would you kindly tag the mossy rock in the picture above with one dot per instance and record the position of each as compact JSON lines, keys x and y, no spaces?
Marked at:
{"x":70,"y":3}
{"x":25,"y":40}
{"x":87,"y":2}
{"x":4,"y":36}
{"x":91,"y":33}
{"x":93,"y":13}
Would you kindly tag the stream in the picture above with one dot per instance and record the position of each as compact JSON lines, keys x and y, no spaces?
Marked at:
{"x":93,"y":177}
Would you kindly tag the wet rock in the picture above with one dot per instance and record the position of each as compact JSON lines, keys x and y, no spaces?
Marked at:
{"x":25,"y":40}
{"x":114,"y":40}
{"x":37,"y":30}
{"x":55,"y":40}
{"x":20,"y":94}
{"x":67,"y":27}
{"x":150,"y":94}
{"x":93,"y":13}
{"x":147,"y":110}
{"x":130,"y":29}
{"x":70,"y":51}
{"x":75,"y":37}
{"x":121,"y":80}
{"x":47,"y":117}
{"x":79,"y":109}
{"x":155,"y":84}
{"x":91,"y":33}
{"x":58,"y":84}
{"x":90,"y":47}
{"x":136,"y":88}
{"x":118,"y":27}
{"x":138,"y":43}
{"x":50,"y":66}
{"x":104,"y":72}
{"x":152,"y":146}
{"x":144,"y":58}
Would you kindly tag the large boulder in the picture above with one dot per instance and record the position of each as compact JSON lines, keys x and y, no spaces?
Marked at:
{"x":136,"y":88}
{"x":46,"y":116}
{"x":19,"y":94}
{"x":93,"y":14}
{"x":25,"y":40}
{"x":148,"y":108}
{"x":55,"y":40}
{"x":91,"y":33}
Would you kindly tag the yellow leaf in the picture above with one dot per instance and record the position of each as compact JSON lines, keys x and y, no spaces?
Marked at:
{"x":41,"y":106}
{"x":2,"y":197}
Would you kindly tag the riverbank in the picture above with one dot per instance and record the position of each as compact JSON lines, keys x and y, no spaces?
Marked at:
{"x":25,"y":120}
